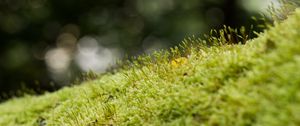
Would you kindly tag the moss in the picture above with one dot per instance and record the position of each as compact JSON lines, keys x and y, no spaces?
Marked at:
{"x":253,"y":84}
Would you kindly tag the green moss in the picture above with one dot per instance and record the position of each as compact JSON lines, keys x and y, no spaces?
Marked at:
{"x":253,"y":84}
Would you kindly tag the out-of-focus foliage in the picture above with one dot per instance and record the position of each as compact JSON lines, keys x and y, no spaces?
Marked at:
{"x":281,"y":13}
{"x":45,"y":41}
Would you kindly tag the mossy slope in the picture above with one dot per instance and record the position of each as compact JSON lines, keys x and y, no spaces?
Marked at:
{"x":253,"y":84}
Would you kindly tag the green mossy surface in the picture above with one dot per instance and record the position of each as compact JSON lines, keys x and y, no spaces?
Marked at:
{"x":253,"y":84}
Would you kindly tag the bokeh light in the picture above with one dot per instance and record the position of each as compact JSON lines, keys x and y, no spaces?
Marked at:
{"x":259,"y":5}
{"x":58,"y":60}
{"x":92,"y":56}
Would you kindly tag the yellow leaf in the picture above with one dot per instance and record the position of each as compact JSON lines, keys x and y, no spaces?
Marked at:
{"x":178,"y":62}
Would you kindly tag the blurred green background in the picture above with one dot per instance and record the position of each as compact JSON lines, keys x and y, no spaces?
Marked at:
{"x":46,"y":44}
